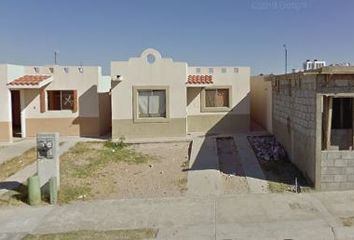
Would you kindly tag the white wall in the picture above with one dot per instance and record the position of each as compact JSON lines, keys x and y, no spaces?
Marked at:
{"x":7,"y":74}
{"x":104,"y":84}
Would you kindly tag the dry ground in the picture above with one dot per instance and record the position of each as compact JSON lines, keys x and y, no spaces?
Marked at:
{"x":131,"y":234}
{"x":280,"y":173}
{"x":15,"y":164}
{"x":233,"y":176}
{"x":102,"y":171}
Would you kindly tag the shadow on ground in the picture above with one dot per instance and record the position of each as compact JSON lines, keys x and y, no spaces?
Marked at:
{"x":282,"y":171}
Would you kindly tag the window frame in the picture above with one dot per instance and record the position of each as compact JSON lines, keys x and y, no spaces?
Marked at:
{"x":204,"y":108}
{"x":136,"y":117}
{"x":61,"y":101}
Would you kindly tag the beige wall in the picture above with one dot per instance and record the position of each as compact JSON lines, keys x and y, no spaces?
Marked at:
{"x":80,"y":126}
{"x":5,"y":132}
{"x":261,"y":102}
{"x":84,"y":122}
{"x":137,"y":72}
{"x":87,"y":121}
{"x":85,"y":83}
{"x":238,"y":78}
{"x":175,"y":127}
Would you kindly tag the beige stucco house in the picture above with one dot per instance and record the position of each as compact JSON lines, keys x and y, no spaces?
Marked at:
{"x":154,"y":96}
{"x":71,"y":100}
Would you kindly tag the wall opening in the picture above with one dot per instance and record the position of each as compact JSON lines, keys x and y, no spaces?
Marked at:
{"x":16,"y":113}
{"x":337,"y":124}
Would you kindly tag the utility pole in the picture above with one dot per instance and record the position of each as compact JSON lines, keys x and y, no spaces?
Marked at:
{"x":286,"y":58}
{"x":55,"y":56}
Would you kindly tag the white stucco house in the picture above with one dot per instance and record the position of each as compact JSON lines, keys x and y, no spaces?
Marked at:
{"x":154,"y":96}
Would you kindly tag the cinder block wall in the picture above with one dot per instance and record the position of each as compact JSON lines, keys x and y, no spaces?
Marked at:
{"x":337,"y":170}
{"x":294,"y":119}
{"x":337,"y":167}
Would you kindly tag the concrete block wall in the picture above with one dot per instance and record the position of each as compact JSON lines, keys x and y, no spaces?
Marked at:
{"x":337,"y":170}
{"x":294,"y":120}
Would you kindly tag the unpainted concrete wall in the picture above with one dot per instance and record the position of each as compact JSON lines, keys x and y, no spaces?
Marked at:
{"x":294,"y":121}
{"x":337,"y":170}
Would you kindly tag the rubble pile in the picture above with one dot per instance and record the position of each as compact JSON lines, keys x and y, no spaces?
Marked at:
{"x":267,"y":148}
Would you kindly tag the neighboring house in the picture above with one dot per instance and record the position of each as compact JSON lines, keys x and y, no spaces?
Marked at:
{"x":261,"y":102}
{"x":53,"y":99}
{"x":157,"y":97}
{"x":313,"y":117}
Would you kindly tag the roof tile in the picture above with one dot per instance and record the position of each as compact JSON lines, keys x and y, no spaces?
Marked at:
{"x":200,"y":79}
{"x":29,"y":80}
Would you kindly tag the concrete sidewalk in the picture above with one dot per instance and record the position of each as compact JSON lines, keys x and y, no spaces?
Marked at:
{"x":314,"y":216}
{"x":11,"y":150}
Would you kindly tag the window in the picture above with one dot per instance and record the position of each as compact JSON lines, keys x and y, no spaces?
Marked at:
{"x":235,"y":70}
{"x":150,"y":58}
{"x":216,"y":99}
{"x":151,"y":103}
{"x":223,"y":70}
{"x":61,"y":100}
{"x":197,"y":70}
{"x":211,"y":70}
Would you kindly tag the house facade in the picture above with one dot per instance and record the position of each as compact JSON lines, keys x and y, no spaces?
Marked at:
{"x":154,"y":96}
{"x":313,"y":117}
{"x":71,"y":100}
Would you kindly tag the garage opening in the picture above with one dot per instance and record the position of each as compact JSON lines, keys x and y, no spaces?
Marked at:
{"x":337,"y":123}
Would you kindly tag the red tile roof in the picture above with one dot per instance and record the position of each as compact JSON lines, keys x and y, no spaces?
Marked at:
{"x":29,"y":80}
{"x":200,"y":79}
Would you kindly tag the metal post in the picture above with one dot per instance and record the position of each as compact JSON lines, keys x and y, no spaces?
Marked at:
{"x":55,"y":56}
{"x":286,"y":58}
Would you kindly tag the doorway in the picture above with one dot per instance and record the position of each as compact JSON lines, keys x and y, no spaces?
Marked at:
{"x":337,"y":123}
{"x":16,"y":114}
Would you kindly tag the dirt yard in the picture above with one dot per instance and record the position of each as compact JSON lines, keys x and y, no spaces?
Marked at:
{"x":233,"y":175}
{"x":98,"y":171}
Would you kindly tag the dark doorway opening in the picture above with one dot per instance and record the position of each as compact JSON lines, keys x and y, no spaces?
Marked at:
{"x":16,"y":113}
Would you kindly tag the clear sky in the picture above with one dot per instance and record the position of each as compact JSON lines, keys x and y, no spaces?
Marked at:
{"x":200,"y":32}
